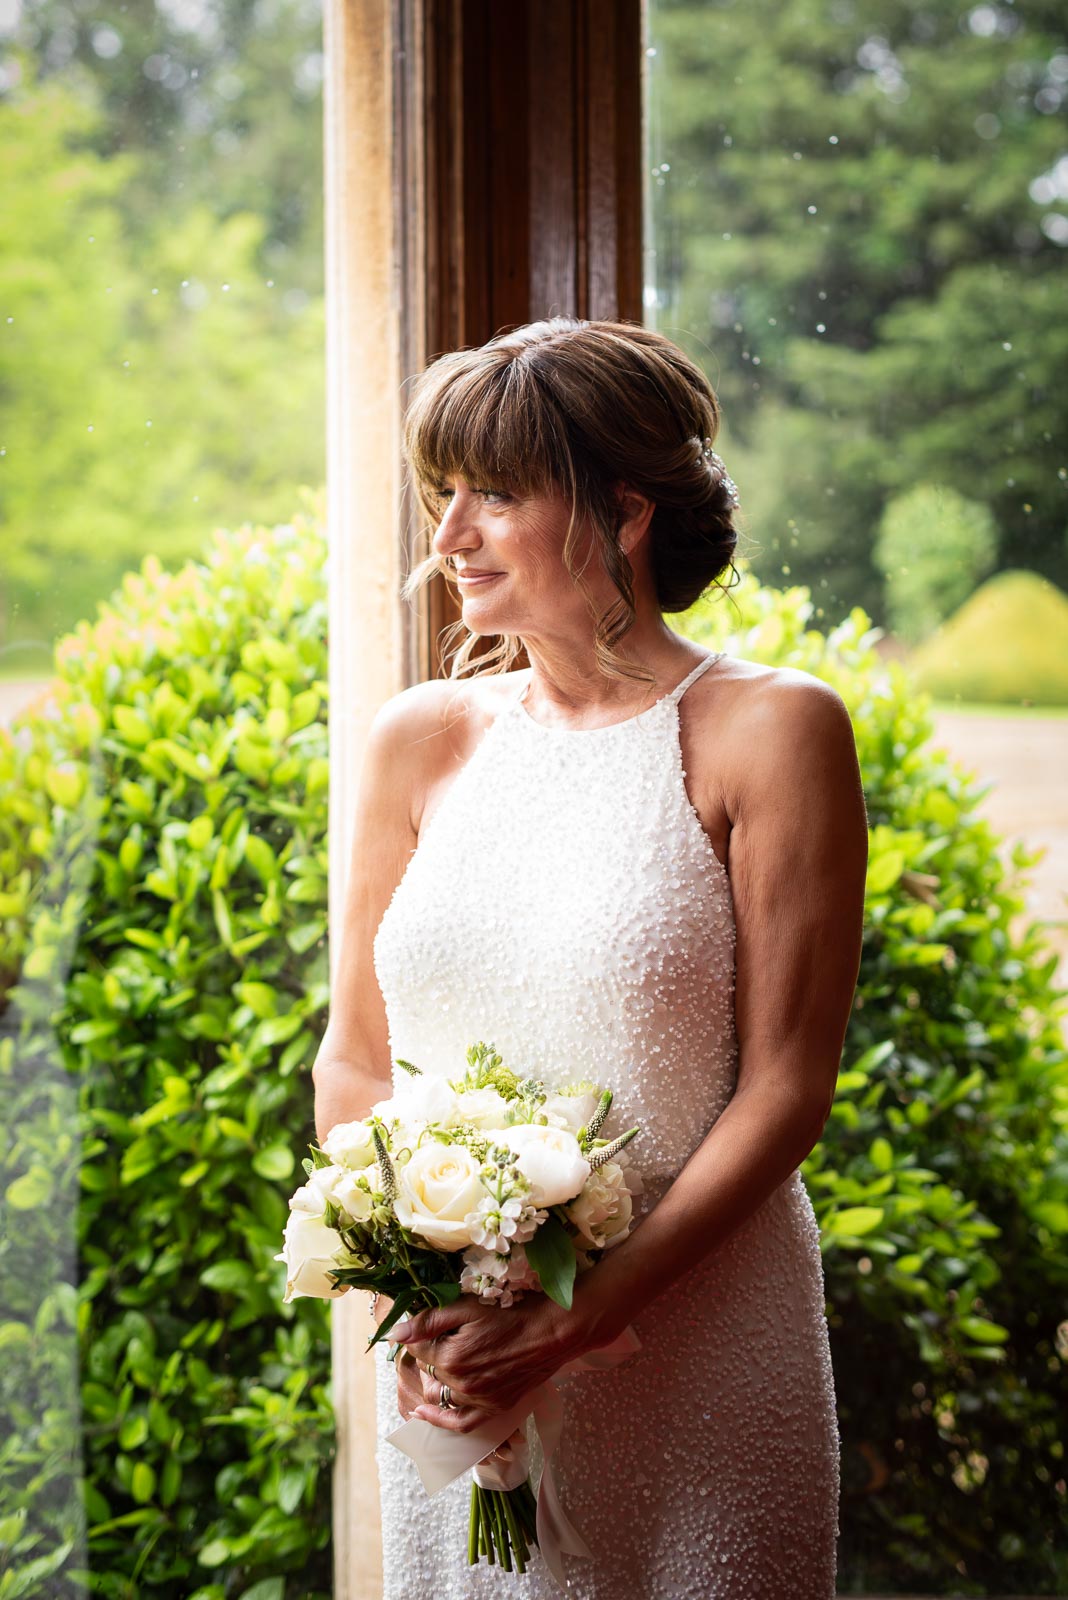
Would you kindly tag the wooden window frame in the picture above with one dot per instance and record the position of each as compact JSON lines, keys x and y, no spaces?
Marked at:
{"x":482,"y":170}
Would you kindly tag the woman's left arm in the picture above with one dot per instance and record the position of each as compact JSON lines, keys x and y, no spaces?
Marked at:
{"x":797,"y":863}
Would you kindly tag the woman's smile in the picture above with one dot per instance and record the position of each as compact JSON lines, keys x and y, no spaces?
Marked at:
{"x":475,"y":579}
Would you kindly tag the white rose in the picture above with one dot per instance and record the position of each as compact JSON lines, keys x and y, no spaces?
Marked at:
{"x":602,"y":1212}
{"x":549,"y":1158}
{"x":423,"y":1100}
{"x":436,"y":1190}
{"x":571,"y":1110}
{"x":312,"y":1196}
{"x":349,"y":1144}
{"x":352,"y":1197}
{"x":482,"y":1108}
{"x":308,"y":1250}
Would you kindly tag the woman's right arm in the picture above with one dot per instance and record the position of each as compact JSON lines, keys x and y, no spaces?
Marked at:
{"x":352,"y":1069}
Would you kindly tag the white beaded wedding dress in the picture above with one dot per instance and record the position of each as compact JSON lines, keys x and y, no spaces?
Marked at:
{"x":564,"y":904}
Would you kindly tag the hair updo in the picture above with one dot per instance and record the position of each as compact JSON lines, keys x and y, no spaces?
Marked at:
{"x":578,"y":407}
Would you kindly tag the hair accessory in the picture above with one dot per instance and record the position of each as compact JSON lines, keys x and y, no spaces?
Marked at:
{"x":717,"y":461}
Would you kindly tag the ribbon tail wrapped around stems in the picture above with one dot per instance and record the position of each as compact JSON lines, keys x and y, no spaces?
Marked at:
{"x":442,"y":1455}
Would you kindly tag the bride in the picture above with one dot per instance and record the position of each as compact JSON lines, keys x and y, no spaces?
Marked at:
{"x":646,"y":861}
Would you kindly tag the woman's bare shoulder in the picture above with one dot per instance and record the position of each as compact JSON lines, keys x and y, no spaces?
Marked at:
{"x":768,"y":710}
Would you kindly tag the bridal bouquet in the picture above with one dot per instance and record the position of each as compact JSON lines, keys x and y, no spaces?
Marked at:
{"x":488,"y":1185}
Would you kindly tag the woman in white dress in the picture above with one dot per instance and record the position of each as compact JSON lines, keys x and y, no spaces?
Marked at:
{"x":640,"y":862}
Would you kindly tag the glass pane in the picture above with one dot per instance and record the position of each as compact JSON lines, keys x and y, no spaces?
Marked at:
{"x":856,"y":220}
{"x":162,"y":793}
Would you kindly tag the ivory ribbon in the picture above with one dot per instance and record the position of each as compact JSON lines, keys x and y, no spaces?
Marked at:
{"x":441,"y":1454}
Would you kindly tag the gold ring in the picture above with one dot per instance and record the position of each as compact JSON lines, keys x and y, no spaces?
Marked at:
{"x":445,"y":1400}
{"x":430,"y":1369}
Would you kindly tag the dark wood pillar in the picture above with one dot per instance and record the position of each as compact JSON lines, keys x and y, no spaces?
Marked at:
{"x":519,"y":146}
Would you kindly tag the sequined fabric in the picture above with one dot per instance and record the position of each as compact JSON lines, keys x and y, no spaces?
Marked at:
{"x":565,"y":904}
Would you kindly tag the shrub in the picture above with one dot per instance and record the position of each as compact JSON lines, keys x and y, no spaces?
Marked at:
{"x":162,"y":907}
{"x":933,"y":547}
{"x":1005,"y":645}
{"x":162,"y":895}
{"x":941,"y":1182}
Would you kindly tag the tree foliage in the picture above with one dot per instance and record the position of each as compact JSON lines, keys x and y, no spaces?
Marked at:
{"x":861,"y":232}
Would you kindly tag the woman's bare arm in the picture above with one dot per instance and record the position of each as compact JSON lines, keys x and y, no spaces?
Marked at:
{"x":353,"y":1069}
{"x":797,"y":861}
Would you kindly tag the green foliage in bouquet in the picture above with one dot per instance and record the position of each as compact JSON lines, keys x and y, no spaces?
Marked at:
{"x":165,"y":1425}
{"x":941,"y":1182}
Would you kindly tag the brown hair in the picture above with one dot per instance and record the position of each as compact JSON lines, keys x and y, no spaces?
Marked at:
{"x":578,"y":406}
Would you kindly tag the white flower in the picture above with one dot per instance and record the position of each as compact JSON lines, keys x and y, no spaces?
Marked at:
{"x":521,"y":1274}
{"x":482,"y":1108}
{"x":485,"y":1274}
{"x":309,"y":1249}
{"x":494,"y":1222}
{"x":429,"y":1099}
{"x":352,"y":1194}
{"x":312,"y":1196}
{"x":549,"y":1158}
{"x":602,"y":1212}
{"x":570,"y":1110}
{"x":437,"y":1189}
{"x":350,"y":1145}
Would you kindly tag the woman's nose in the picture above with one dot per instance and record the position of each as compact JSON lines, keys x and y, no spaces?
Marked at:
{"x":454,"y":531}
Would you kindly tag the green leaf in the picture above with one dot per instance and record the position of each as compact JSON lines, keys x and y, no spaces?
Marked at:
{"x":853,"y":1221}
{"x":276,"y":1162}
{"x":552,"y":1255}
{"x":983,"y":1331}
{"x":267,"y":1588}
{"x":230,"y":1276}
{"x":30,"y":1190}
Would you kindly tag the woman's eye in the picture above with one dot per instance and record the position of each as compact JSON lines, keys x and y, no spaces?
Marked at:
{"x":487,"y":494}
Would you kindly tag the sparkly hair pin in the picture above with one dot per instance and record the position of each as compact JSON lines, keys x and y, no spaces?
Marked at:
{"x":717,"y":461}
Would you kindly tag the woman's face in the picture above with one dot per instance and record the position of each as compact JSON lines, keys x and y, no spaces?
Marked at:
{"x":521,"y":540}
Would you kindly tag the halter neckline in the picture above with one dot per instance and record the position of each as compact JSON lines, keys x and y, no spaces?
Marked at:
{"x":671,"y":695}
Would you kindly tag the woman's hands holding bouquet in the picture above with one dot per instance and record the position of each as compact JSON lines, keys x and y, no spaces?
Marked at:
{"x":477,"y":1206}
{"x":489,"y":1356}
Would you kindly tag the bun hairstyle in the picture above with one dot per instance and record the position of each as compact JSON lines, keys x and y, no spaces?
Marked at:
{"x":576,"y":407}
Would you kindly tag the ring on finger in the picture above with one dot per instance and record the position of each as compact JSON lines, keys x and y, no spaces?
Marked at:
{"x":445,"y":1400}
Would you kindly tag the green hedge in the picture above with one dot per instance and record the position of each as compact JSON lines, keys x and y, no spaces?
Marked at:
{"x":941,"y":1183}
{"x":163,"y":894}
{"x":162,"y":961}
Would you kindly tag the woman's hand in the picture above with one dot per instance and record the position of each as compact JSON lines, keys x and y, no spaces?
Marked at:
{"x":411,"y":1389}
{"x":490,"y":1356}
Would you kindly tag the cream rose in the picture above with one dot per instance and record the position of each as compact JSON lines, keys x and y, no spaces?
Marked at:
{"x":350,"y":1194}
{"x":602,"y":1212}
{"x":436,"y":1190}
{"x":423,"y":1100}
{"x":482,"y":1108}
{"x":308,"y":1250}
{"x":549,"y":1158}
{"x":349,"y":1144}
{"x":570,"y":1110}
{"x":312,"y":1196}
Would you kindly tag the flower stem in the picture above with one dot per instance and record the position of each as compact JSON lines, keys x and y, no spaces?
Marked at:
{"x":472,"y":1527}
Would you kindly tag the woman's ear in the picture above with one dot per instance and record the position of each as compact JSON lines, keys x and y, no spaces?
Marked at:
{"x":635,"y":514}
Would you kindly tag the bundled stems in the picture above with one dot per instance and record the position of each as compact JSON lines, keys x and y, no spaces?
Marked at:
{"x":502,"y":1525}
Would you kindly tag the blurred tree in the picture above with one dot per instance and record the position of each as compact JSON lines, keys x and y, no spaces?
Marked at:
{"x":859,"y":225}
{"x":220,"y":99}
{"x":149,"y":384}
{"x":934,"y":547}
